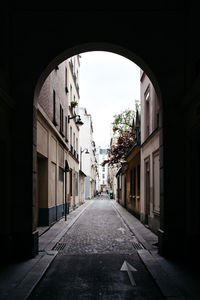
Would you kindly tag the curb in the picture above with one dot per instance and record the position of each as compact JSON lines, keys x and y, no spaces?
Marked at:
{"x":25,"y":288}
{"x":50,"y":246}
{"x":32,"y":278}
{"x":145,"y":244}
{"x":160,"y":277}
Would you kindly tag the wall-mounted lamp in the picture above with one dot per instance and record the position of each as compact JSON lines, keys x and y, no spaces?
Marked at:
{"x":81,"y":151}
{"x":86,"y":151}
{"x":78,"y":119}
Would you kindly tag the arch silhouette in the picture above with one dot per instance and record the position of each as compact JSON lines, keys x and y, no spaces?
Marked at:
{"x":115,"y":49}
{"x":97,"y":46}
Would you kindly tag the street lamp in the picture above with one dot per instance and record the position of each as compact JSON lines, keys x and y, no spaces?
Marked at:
{"x":77,"y":120}
{"x":81,"y":151}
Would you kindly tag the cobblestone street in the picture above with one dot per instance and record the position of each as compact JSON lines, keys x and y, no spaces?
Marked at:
{"x":100,"y":230}
{"x":90,"y":257}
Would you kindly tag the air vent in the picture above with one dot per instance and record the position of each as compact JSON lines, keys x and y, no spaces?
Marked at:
{"x":59,"y":246}
{"x":137,"y":246}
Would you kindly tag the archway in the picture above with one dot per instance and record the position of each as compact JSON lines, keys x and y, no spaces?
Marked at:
{"x":109,"y":48}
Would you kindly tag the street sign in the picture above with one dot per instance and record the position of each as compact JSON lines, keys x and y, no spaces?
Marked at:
{"x":128,"y":268}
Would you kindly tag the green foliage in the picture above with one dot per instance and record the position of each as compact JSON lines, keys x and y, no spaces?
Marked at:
{"x":123,"y":121}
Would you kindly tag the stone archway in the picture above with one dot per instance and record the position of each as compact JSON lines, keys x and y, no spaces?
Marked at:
{"x":34,"y":40}
{"x":108,"y":48}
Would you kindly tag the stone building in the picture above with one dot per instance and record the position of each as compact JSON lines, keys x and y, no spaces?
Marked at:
{"x":128,"y":174}
{"x":112,"y":171}
{"x":150,"y":156}
{"x":102,"y":154}
{"x":131,"y":173}
{"x":58,"y":143}
{"x":87,"y":153}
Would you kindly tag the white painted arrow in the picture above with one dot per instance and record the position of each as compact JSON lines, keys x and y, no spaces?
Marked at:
{"x":122,"y":229}
{"x":127,"y":267}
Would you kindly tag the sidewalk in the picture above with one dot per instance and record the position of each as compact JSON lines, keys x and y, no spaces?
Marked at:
{"x":175,"y":281}
{"x":18,"y":280}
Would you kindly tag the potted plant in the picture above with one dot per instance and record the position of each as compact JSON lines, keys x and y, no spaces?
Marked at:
{"x":74,"y":103}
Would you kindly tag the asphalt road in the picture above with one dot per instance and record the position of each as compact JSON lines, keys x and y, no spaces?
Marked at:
{"x":91,"y":255}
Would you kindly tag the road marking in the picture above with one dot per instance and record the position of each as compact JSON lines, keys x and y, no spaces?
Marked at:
{"x":127,"y":267}
{"x":122,"y":229}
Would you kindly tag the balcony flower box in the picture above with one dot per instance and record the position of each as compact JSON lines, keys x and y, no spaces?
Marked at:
{"x":74,"y":103}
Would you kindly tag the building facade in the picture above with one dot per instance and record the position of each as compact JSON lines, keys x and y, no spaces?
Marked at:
{"x":58,"y":144}
{"x":88,"y":162}
{"x":128,"y":175}
{"x":112,"y":171}
{"x":102,"y":154}
{"x":150,"y":155}
{"x":132,"y":172}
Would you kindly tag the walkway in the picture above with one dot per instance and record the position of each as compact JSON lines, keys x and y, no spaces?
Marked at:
{"x":106,"y":234}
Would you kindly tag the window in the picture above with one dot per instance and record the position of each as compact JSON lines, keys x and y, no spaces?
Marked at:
{"x":61,"y":174}
{"x":70,"y":93}
{"x":147,"y":187}
{"x":103,"y":176}
{"x":76,"y":145}
{"x":66,"y":129}
{"x":147,"y":111}
{"x":138,"y":180}
{"x":76,"y":183}
{"x":157,"y":120}
{"x":74,"y":109}
{"x":103,"y":151}
{"x":74,"y":141}
{"x":131,"y":182}
{"x":70,"y":182}
{"x":54,"y":108}
{"x":66,"y":77}
{"x":147,"y":95}
{"x":61,"y":119}
{"x":70,"y":135}
{"x":155,"y":113}
{"x":156,"y":182}
{"x":134,"y":181}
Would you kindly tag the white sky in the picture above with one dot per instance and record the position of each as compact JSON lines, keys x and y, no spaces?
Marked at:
{"x":109,"y":84}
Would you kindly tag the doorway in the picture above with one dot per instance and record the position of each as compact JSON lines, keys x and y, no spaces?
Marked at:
{"x":42,"y":192}
{"x":147,"y":191}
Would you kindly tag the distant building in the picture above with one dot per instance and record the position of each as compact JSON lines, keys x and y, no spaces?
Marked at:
{"x":88,"y":163}
{"x":102,"y":154}
{"x":112,"y":171}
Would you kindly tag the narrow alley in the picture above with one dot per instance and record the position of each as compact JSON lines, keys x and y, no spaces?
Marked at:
{"x":101,"y":252}
{"x":90,"y":256}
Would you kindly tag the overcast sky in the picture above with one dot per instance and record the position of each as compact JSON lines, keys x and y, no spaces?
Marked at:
{"x":109,"y":84}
